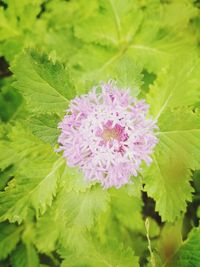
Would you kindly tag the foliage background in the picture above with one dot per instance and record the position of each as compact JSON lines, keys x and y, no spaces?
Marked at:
{"x":49,"y":52}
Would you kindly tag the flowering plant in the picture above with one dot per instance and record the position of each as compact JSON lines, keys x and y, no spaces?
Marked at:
{"x":107,"y":135}
{"x":99,"y":133}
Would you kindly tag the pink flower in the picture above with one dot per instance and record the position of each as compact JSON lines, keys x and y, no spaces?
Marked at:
{"x":107,"y":135}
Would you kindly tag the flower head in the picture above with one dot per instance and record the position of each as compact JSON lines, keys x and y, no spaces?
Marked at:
{"x":107,"y":135}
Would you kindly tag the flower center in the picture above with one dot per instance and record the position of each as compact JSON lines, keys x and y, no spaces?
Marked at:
{"x":111,"y":132}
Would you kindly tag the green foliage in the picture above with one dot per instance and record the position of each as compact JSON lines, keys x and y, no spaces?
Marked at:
{"x":10,"y":100}
{"x":24,"y":191}
{"x":127,"y":210}
{"x":9,"y":237}
{"x":25,"y":256}
{"x":188,"y":253}
{"x":114,"y":255}
{"x":49,"y":85}
{"x":31,"y":178}
{"x":75,"y":206}
{"x":49,"y":214}
{"x":45,"y":127}
{"x":167,"y":180}
{"x":126,"y":69}
{"x":182,"y":78}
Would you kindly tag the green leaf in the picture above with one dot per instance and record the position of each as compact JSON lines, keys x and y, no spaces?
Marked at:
{"x":124,"y":26}
{"x":47,"y":232}
{"x":127,"y":209}
{"x":169,"y":242}
{"x":9,"y":237}
{"x":189,"y":252}
{"x":45,"y":127}
{"x":7,"y":156}
{"x":45,"y":85}
{"x":157,"y":48}
{"x":5,"y":176}
{"x":77,"y":210}
{"x":179,"y":20}
{"x":128,"y":75}
{"x":77,"y":240}
{"x":20,"y":145}
{"x":70,"y":215}
{"x":27,"y":146}
{"x":10,"y":99}
{"x":73,"y":179}
{"x":112,"y":254}
{"x":92,"y":63}
{"x":25,"y":256}
{"x":162,"y":36}
{"x":75,"y":206}
{"x":20,"y":26}
{"x":66,"y":14}
{"x":116,"y":22}
{"x":7,"y":30}
{"x":36,"y":171}
{"x":82,"y":208}
{"x":34,"y":189}
{"x":167,"y":180}
{"x":168,"y":89}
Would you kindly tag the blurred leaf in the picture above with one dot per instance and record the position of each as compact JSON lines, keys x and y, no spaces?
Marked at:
{"x":128,"y":76}
{"x":180,"y":21}
{"x":9,"y":237}
{"x":25,"y":256}
{"x":127,"y":209}
{"x":116,"y":22}
{"x":47,"y":232}
{"x":188,"y":253}
{"x":20,"y":26}
{"x":7,"y":156}
{"x":170,"y":240}
{"x":113,"y":254}
{"x":10,"y":100}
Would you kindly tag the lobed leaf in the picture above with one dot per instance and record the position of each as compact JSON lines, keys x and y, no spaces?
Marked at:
{"x":168,"y":178}
{"x":35,"y":189}
{"x":177,"y":86}
{"x":45,"y":85}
